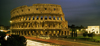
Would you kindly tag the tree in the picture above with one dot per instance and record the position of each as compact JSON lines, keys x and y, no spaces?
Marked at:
{"x":2,"y":33}
{"x":91,"y":35}
{"x":85,"y":34}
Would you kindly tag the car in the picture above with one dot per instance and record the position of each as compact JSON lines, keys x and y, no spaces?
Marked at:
{"x":44,"y":37}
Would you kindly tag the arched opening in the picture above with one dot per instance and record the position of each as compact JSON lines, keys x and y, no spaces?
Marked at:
{"x":45,"y":17}
{"x":45,"y":8}
{"x":26,"y":18}
{"x":37,"y":32}
{"x":28,"y":9}
{"x":49,"y":25}
{"x":41,"y":17}
{"x":54,"y":9}
{"x":19,"y":32}
{"x":22,"y":32}
{"x":57,"y":18}
{"x":37,"y":17}
{"x":32,"y":32}
{"x":36,"y":8}
{"x":28,"y":32}
{"x":65,"y":32}
{"x":62,"y":33}
{"x":61,"y":18}
{"x":46,"y":33}
{"x":25,"y":32}
{"x":53,"y":25}
{"x":50,"y":17}
{"x":33,"y":17}
{"x":29,"y":18}
{"x":53,"y":17}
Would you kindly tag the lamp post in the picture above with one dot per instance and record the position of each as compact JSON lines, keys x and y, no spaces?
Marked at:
{"x":10,"y":27}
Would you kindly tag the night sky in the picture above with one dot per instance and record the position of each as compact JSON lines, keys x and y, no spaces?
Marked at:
{"x":77,"y":12}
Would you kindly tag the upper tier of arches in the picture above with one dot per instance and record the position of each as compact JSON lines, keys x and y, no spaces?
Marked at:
{"x":37,"y":9}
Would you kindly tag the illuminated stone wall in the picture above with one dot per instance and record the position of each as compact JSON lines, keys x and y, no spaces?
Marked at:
{"x":95,"y":29}
{"x":39,"y":19}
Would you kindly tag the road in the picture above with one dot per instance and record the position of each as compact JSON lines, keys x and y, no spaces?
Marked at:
{"x":36,"y":43}
{"x":61,"y":42}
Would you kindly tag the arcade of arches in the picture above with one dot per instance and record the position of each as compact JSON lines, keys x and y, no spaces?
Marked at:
{"x":38,"y":21}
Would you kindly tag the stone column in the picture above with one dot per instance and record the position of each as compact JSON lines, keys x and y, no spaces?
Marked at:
{"x":26,"y":32}
{"x":18,"y":18}
{"x":59,"y":18}
{"x":55,"y":17}
{"x":52,"y":34}
{"x":40,"y":25}
{"x":47,"y":17}
{"x":39,"y":17}
{"x":51,"y":25}
{"x":17,"y":32}
{"x":57,"y":25}
{"x":18,"y":26}
{"x":37,"y":25}
{"x":30,"y":33}
{"x":33,"y":25}
{"x":51,"y":17}
{"x":31,"y":18}
{"x":28,"y":18}
{"x":33,"y":32}
{"x":27,"y":25}
{"x":63,"y":19}
{"x":20,"y":33}
{"x":43,"y":17}
{"x":35,"y":17}
{"x":23,"y":33}
{"x":22,"y":18}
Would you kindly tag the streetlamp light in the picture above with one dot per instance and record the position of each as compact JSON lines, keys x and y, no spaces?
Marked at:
{"x":10,"y":28}
{"x":10,"y":21}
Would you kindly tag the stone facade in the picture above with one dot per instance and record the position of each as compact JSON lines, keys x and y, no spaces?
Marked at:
{"x":39,"y":19}
{"x":95,"y":29}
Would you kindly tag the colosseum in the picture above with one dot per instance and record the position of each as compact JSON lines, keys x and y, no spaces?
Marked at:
{"x":39,"y":19}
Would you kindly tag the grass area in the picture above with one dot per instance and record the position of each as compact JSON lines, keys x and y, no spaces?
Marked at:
{"x":95,"y":38}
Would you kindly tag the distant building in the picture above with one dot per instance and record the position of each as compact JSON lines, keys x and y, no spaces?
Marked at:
{"x":4,"y":28}
{"x":95,"y":29}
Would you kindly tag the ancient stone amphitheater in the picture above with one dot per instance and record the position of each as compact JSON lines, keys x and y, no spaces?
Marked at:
{"x":39,"y":19}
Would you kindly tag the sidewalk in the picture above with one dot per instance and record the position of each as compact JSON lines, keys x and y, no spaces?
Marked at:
{"x":62,"y":42}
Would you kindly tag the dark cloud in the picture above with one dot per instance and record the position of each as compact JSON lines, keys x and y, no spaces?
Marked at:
{"x":78,"y":12}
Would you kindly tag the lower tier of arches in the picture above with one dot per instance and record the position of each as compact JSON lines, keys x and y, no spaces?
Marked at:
{"x":40,"y":32}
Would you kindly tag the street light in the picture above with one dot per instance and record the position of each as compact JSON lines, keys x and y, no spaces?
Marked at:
{"x":11,"y":28}
{"x":1,"y":30}
{"x":10,"y":21}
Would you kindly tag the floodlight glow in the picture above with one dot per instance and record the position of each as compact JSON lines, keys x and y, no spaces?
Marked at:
{"x":10,"y":21}
{"x":1,"y":30}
